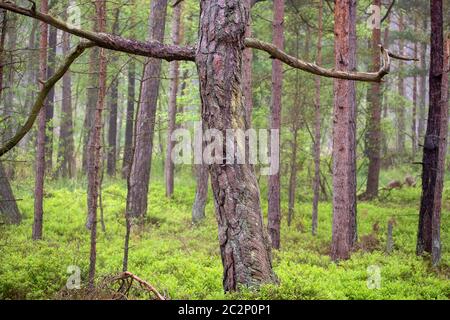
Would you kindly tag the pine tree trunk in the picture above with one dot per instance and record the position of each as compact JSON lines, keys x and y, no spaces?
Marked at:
{"x":317,"y":129}
{"x":145,"y":124}
{"x":8,"y":205}
{"x":274,"y":212}
{"x":344,"y":131}
{"x":173,"y":90}
{"x":113,"y":102}
{"x":428,"y":239}
{"x":423,"y":85}
{"x":50,"y":106}
{"x":247,"y":81}
{"x":401,"y":91}
{"x":244,"y":243}
{"x":40,"y":149}
{"x":66,"y":142}
{"x":201,"y":193}
{"x":94,"y":147}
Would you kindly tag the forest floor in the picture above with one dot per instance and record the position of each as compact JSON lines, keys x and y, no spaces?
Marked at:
{"x":183,"y":261}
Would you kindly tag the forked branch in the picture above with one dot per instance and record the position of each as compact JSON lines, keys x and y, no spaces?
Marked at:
{"x":40,"y":100}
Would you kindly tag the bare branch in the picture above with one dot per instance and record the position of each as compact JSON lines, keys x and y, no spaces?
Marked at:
{"x":48,"y":85}
{"x":388,"y":11}
{"x":152,"y":49}
{"x":320,"y":71}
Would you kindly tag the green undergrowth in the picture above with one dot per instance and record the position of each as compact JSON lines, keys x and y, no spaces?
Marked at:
{"x":183,"y":261}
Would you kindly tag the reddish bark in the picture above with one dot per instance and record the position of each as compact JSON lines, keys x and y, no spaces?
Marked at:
{"x":173,"y":90}
{"x":247,"y":83}
{"x":244,"y":243}
{"x":95,"y":156}
{"x":137,"y":196}
{"x":40,"y":142}
{"x":274,"y":212}
{"x":344,"y":131}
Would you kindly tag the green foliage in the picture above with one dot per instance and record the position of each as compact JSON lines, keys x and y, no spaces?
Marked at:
{"x":184,"y":261}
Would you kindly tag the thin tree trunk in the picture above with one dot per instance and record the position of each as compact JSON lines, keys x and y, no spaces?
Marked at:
{"x":40,"y":150}
{"x":317,"y":129}
{"x":401,"y":91}
{"x":94,"y":158}
{"x":274,"y":212}
{"x":423,"y":84}
{"x":374,"y":120}
{"x":50,"y":106}
{"x":244,"y":243}
{"x":113,"y":102}
{"x":201,"y":193}
{"x":344,"y":133}
{"x":428,"y":239}
{"x":173,"y":90}
{"x":66,"y":142}
{"x":137,"y":196}
{"x":414,"y":138}
{"x":247,"y":81}
{"x":293,"y":176}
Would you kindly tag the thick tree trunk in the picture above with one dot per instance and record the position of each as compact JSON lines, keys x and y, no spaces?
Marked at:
{"x":145,"y":125}
{"x":244,"y":243}
{"x":374,"y":120}
{"x":201,"y":193}
{"x":274,"y":212}
{"x":94,"y":147}
{"x":66,"y":142}
{"x":173,"y":90}
{"x":317,"y":129}
{"x":344,"y":132}
{"x":428,"y":239}
{"x":113,"y":102}
{"x":50,"y":106}
{"x":40,"y":142}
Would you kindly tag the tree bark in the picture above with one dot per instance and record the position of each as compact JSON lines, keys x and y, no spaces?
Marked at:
{"x":274,"y":212}
{"x":401,"y":91}
{"x":137,"y":196}
{"x":173,"y":90}
{"x":201,"y":193}
{"x":247,"y":81}
{"x":113,"y":102}
{"x":317,"y":129}
{"x":50,"y":106}
{"x":67,"y":166}
{"x":94,"y":147}
{"x":244,"y":243}
{"x":8,"y":205}
{"x":428,"y":239}
{"x":374,"y":121}
{"x":423,"y":84}
{"x":40,"y":149}
{"x":344,"y":131}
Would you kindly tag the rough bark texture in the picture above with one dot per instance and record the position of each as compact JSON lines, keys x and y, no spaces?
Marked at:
{"x":40,"y":142}
{"x":113,"y":102}
{"x":50,"y":105}
{"x":374,"y":121}
{"x":317,"y":129}
{"x":201,"y":193}
{"x":94,"y":147}
{"x":244,"y":243}
{"x":173,"y":90}
{"x":423,"y":85}
{"x":274,"y":211}
{"x":66,"y":148}
{"x":145,"y":124}
{"x":344,"y":129}
{"x":428,"y":239}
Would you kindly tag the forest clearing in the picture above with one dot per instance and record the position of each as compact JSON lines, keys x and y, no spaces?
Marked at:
{"x":224,"y":150}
